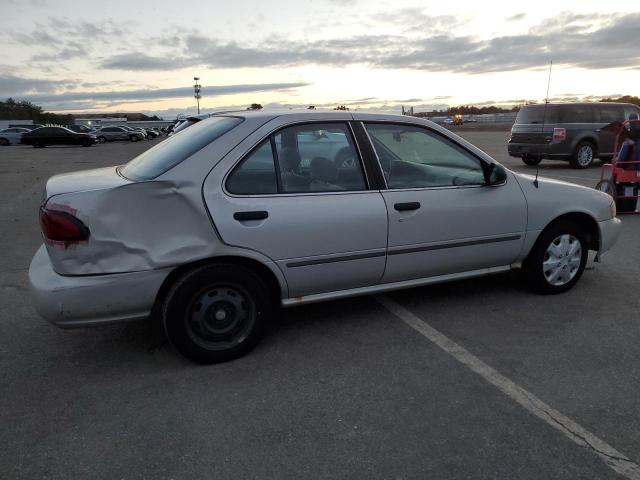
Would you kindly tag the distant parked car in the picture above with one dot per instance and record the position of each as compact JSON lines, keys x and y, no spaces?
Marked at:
{"x":571,"y":131}
{"x":112,"y":134}
{"x":79,"y":128}
{"x":217,"y":226}
{"x":41,"y":137}
{"x":28,"y":126}
{"x":12,"y":136}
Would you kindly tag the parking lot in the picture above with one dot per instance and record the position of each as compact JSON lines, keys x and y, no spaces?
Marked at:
{"x":397,"y":386}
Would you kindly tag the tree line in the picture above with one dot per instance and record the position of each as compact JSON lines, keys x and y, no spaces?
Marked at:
{"x":12,"y":109}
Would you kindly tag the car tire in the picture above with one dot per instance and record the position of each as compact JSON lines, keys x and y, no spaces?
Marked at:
{"x":87,"y":144}
{"x":558,"y":258}
{"x":4,"y":142}
{"x":217,"y":312}
{"x":101,"y":140}
{"x":584,"y":155}
{"x":532,"y":160}
{"x":133,"y":138}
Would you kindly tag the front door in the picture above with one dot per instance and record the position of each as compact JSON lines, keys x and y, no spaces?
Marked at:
{"x":301,"y":198}
{"x":443,"y":219}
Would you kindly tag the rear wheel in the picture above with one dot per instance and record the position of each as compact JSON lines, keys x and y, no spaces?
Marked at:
{"x":532,"y":160}
{"x":557,"y":260}
{"x":583,"y":156}
{"x":133,"y":138}
{"x":4,"y":142}
{"x":217,"y":313}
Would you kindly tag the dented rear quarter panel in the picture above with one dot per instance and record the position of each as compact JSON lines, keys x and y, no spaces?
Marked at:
{"x":145,"y":225}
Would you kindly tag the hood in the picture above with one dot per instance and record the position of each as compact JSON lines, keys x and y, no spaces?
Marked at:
{"x":95,"y":179}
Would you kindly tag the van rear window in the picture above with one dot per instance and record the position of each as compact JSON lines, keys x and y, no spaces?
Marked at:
{"x":534,"y":114}
{"x":170,"y":152}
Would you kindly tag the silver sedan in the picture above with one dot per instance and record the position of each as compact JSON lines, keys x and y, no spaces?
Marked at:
{"x":216,"y":228}
{"x":12,"y":136}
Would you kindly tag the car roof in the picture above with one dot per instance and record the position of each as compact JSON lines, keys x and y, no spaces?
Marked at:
{"x":579,"y":103}
{"x":310,"y":114}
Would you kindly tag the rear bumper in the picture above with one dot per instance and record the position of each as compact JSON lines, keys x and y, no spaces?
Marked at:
{"x":609,"y":232}
{"x":557,"y":151}
{"x":82,"y":301}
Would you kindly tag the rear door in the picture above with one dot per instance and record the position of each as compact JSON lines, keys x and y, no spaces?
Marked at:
{"x":300,"y":196}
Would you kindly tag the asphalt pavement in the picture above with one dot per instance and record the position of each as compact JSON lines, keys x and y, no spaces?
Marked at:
{"x":345,"y":389}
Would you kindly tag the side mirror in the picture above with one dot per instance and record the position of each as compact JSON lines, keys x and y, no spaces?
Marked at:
{"x":494,"y":174}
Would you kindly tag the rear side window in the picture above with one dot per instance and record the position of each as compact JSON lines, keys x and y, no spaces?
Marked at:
{"x":175,"y":149}
{"x":537,"y":114}
{"x":610,"y":113}
{"x":300,"y":159}
{"x":575,"y":114}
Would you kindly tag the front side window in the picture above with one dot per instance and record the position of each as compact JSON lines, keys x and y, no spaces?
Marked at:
{"x":177,"y":148}
{"x":414,"y":157}
{"x":301,"y":159}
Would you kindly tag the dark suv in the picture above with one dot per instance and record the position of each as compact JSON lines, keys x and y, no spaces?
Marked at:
{"x":567,"y":131}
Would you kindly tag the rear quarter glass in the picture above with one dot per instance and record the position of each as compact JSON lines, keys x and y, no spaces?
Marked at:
{"x":537,"y":114}
{"x":175,"y":149}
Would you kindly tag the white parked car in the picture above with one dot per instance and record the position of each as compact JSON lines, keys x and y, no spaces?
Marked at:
{"x":217,"y":227}
{"x":12,"y":136}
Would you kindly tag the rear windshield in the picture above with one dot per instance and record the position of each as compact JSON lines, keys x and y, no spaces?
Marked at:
{"x":176,"y":148}
{"x":537,"y":114}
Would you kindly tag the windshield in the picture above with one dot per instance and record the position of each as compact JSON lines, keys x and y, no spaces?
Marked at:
{"x":175,"y":149}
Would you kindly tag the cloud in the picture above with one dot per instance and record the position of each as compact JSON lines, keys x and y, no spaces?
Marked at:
{"x":54,"y":94}
{"x":517,"y":17}
{"x":11,"y":85}
{"x":139,"y":61}
{"x":584,"y":41}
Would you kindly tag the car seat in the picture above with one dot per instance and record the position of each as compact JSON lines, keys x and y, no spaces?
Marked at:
{"x":292,"y":181}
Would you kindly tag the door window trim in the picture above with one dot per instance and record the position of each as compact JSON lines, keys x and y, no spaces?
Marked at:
{"x":271,"y":137}
{"x":436,"y":133}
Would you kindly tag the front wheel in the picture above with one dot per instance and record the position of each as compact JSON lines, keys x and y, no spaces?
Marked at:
{"x":4,"y":142}
{"x":133,"y":138}
{"x":557,"y":260}
{"x":583,"y":156}
{"x":101,"y":140}
{"x":532,"y":160}
{"x":217,"y":313}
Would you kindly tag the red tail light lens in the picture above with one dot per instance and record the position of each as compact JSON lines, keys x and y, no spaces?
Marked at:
{"x":559,"y":134}
{"x":61,"y":226}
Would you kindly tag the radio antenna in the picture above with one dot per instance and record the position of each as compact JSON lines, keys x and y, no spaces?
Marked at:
{"x":544,"y":117}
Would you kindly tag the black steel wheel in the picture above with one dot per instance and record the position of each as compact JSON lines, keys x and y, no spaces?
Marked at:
{"x":217,"y":312}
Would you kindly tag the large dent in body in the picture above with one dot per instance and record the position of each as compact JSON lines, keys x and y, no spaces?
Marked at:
{"x":138,"y":226}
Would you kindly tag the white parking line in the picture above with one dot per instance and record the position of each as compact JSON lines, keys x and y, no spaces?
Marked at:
{"x":578,"y":434}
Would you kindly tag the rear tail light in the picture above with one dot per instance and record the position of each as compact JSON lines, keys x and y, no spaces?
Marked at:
{"x":559,"y":134}
{"x":59,"y":226}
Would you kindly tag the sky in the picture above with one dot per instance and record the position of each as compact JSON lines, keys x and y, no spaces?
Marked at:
{"x":87,"y":56}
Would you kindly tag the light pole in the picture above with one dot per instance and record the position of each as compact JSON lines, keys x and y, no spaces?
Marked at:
{"x":196,"y":92}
